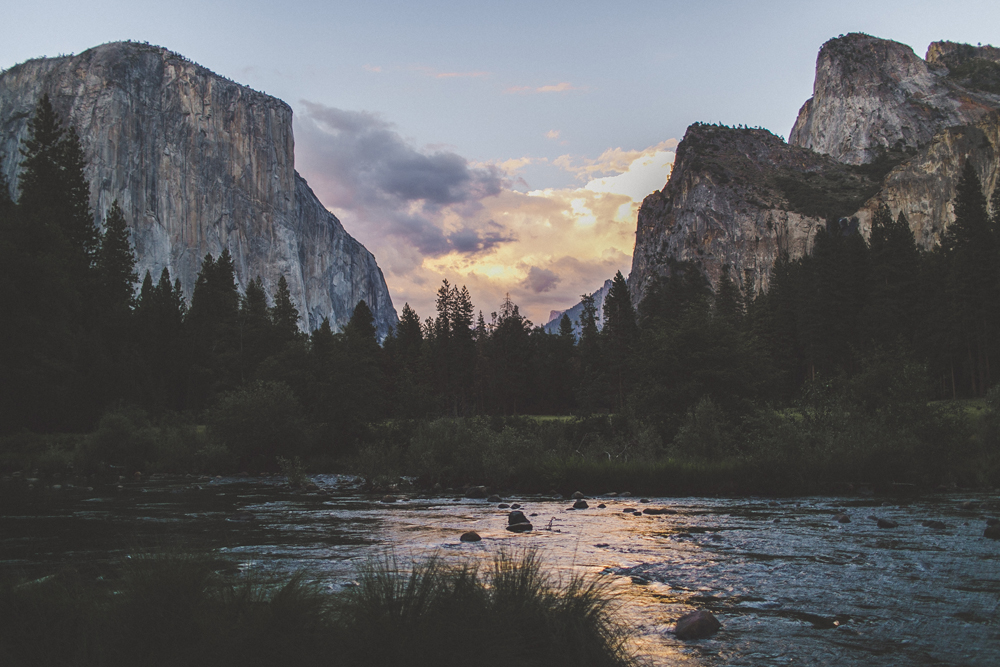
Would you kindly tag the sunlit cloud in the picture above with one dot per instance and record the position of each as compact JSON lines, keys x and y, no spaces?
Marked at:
{"x":430,"y":214}
{"x":563,"y":87}
{"x":372,"y":68}
{"x":552,"y":134}
{"x":610,"y":162}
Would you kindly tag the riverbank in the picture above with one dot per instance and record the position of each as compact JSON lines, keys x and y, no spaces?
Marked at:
{"x":182,"y":610}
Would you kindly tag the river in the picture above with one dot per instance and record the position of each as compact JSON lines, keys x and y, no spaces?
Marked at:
{"x":790,"y":584}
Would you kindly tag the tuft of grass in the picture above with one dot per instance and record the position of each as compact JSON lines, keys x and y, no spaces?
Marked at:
{"x":441,"y":614}
{"x":177,"y":610}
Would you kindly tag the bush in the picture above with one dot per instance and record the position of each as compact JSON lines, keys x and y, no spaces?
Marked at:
{"x":259,"y":422}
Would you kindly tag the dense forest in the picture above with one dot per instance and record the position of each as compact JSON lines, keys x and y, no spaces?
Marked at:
{"x":860,"y":331}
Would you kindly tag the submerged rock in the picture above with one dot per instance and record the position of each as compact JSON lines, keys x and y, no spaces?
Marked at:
{"x":524,"y":527}
{"x":697,"y":625}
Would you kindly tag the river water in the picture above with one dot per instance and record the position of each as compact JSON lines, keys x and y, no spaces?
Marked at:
{"x":789,"y":583}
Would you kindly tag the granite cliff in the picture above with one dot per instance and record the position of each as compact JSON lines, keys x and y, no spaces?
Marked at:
{"x":198,"y":163}
{"x":883,"y":125}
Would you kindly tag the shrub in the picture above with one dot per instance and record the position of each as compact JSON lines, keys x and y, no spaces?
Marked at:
{"x":258,"y":423}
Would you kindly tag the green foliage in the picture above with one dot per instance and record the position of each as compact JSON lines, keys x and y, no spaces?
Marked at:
{"x":258,"y":423}
{"x":126,"y":439}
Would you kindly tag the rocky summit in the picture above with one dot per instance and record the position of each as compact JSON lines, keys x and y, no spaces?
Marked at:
{"x":198,"y":164}
{"x":883,"y":126}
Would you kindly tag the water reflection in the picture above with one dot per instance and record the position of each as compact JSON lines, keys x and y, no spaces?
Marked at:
{"x":790,"y":584}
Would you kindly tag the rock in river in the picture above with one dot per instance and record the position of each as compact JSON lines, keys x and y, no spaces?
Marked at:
{"x":697,"y":625}
{"x":841,"y":518}
{"x":518,"y":523}
{"x":992,"y":532}
{"x":471,"y":536}
{"x":580,"y":505}
{"x":887,"y":523}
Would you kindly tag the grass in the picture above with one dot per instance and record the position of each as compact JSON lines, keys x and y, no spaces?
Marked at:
{"x":176,"y":610}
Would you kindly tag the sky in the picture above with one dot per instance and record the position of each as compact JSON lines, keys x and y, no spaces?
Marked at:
{"x":504,"y":146}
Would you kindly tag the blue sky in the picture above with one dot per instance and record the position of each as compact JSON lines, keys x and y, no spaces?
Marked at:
{"x":504,"y":99}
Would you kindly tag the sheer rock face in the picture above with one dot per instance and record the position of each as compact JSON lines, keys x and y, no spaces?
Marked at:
{"x":726,"y":203}
{"x":883,"y":126}
{"x":873,"y":94}
{"x":924,"y":187}
{"x":198,"y":164}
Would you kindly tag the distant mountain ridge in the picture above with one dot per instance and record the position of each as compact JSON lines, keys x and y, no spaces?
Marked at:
{"x":576,"y":311}
{"x":199,"y":164}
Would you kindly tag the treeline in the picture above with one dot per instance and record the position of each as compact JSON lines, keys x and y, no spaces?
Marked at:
{"x":856,"y":328}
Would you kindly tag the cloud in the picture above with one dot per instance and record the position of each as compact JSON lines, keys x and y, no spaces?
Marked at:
{"x":372,"y":68}
{"x":611,"y":161}
{"x":563,"y":87}
{"x":540,"y":280}
{"x":359,"y":164}
{"x":552,"y":134}
{"x":429,"y":214}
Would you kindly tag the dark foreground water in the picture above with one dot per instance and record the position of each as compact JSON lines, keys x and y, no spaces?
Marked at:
{"x":789,"y":584}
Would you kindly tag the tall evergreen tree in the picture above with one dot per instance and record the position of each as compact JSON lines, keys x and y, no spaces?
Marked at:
{"x":284,"y":314}
{"x":116,"y":264}
{"x":620,"y":336}
{"x":971,"y":251}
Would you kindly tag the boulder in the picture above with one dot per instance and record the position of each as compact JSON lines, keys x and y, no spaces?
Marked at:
{"x":601,"y":506}
{"x":503,"y":506}
{"x":991,"y":521}
{"x":992,"y":532}
{"x":524,"y":527}
{"x":580,"y":505}
{"x":471,"y":536}
{"x":970,"y":505}
{"x":697,"y":625}
{"x":388,"y":499}
{"x":841,"y":518}
{"x":644,"y":500}
{"x":516,"y":516}
{"x":887,"y":523}
{"x":577,"y":495}
{"x":515,"y":506}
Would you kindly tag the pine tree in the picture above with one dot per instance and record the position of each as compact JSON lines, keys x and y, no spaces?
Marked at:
{"x":890,"y":316}
{"x":566,"y":329}
{"x":620,"y":335}
{"x":51,"y":348}
{"x":971,"y":253}
{"x":116,"y":264}
{"x":284,"y":314}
